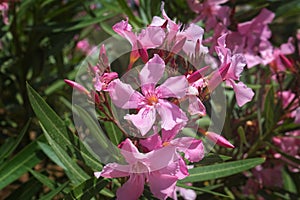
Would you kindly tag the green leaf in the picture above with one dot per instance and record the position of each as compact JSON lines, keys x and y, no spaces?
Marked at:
{"x":56,"y":129}
{"x":213,"y":158}
{"x":205,"y":190}
{"x":53,"y":193}
{"x":288,"y":183}
{"x":132,"y":18}
{"x":77,"y":175}
{"x":51,"y":154}
{"x":12,"y":144}
{"x":288,"y":9}
{"x":104,"y":145}
{"x":28,"y":157}
{"x":88,"y":189}
{"x":113,"y":132}
{"x":43,"y":179}
{"x":215,"y":171}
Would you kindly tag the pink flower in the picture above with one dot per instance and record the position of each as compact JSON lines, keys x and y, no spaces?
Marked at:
{"x":192,"y":148}
{"x":231,"y":68}
{"x":152,"y":99}
{"x":101,"y":81}
{"x":211,"y":12}
{"x":160,"y":168}
{"x":4,"y":10}
{"x":189,"y":39}
{"x":187,"y":194}
{"x":196,"y":83}
{"x":289,"y":144}
{"x":150,"y":37}
{"x":256,"y":34}
{"x":276,"y":56}
{"x":84,"y":46}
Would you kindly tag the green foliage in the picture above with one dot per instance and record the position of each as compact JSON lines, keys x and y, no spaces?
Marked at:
{"x":215,"y":171}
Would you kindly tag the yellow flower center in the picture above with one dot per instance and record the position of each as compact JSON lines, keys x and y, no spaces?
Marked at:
{"x":152,"y":100}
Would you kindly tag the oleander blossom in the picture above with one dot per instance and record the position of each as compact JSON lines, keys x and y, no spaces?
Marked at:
{"x":153,"y":99}
{"x":159,"y":168}
{"x":230,"y":70}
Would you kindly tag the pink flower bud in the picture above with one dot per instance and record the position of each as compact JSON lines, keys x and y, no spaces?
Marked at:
{"x":178,"y":46}
{"x":218,"y":139}
{"x":103,"y":59}
{"x":197,"y":74}
{"x":143,"y":52}
{"x":77,"y":86}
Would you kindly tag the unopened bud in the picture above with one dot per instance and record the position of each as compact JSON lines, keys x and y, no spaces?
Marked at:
{"x":77,"y":86}
{"x":218,"y":139}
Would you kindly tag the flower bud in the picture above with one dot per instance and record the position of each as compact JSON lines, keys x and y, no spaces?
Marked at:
{"x":218,"y":139}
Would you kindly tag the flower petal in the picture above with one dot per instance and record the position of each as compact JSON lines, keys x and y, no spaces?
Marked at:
{"x":173,"y":87}
{"x":151,"y":37}
{"x":162,"y":185}
{"x":192,"y":148}
{"x":125,"y":30}
{"x":132,"y":189}
{"x":152,"y":71}
{"x":170,"y":114}
{"x":144,"y":119}
{"x":243,"y":94}
{"x":123,"y":95}
{"x":152,"y":142}
{"x":130,"y":152}
{"x":113,"y":170}
{"x":196,"y":107}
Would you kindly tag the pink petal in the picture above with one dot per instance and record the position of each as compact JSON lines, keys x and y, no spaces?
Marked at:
{"x":218,"y":139}
{"x":168,"y":135}
{"x":243,"y":94}
{"x":192,"y":148}
{"x":187,"y":194}
{"x":130,"y":152}
{"x":237,"y":65}
{"x":173,"y":87}
{"x":123,"y":96}
{"x":162,"y":185}
{"x":151,"y":37}
{"x":151,"y":143}
{"x":113,"y":170}
{"x":196,"y":107}
{"x":132,"y":189}
{"x":161,"y":158}
{"x":144,"y":119}
{"x":152,"y":71}
{"x":288,"y":48}
{"x":170,"y":114}
{"x":124,"y":29}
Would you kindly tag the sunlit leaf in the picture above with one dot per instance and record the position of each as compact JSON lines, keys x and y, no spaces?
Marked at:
{"x":215,"y":171}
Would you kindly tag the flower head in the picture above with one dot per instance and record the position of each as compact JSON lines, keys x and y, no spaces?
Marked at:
{"x":153,"y":99}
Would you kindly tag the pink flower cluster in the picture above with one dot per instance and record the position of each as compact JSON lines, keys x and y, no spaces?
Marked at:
{"x":249,"y":38}
{"x":155,"y":156}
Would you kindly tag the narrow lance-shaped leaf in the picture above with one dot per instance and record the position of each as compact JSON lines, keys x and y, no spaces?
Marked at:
{"x":56,"y":129}
{"x":28,"y":157}
{"x":53,"y":193}
{"x":102,"y":145}
{"x":7,"y":150}
{"x":77,"y":175}
{"x":88,"y":189}
{"x":215,"y":171}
